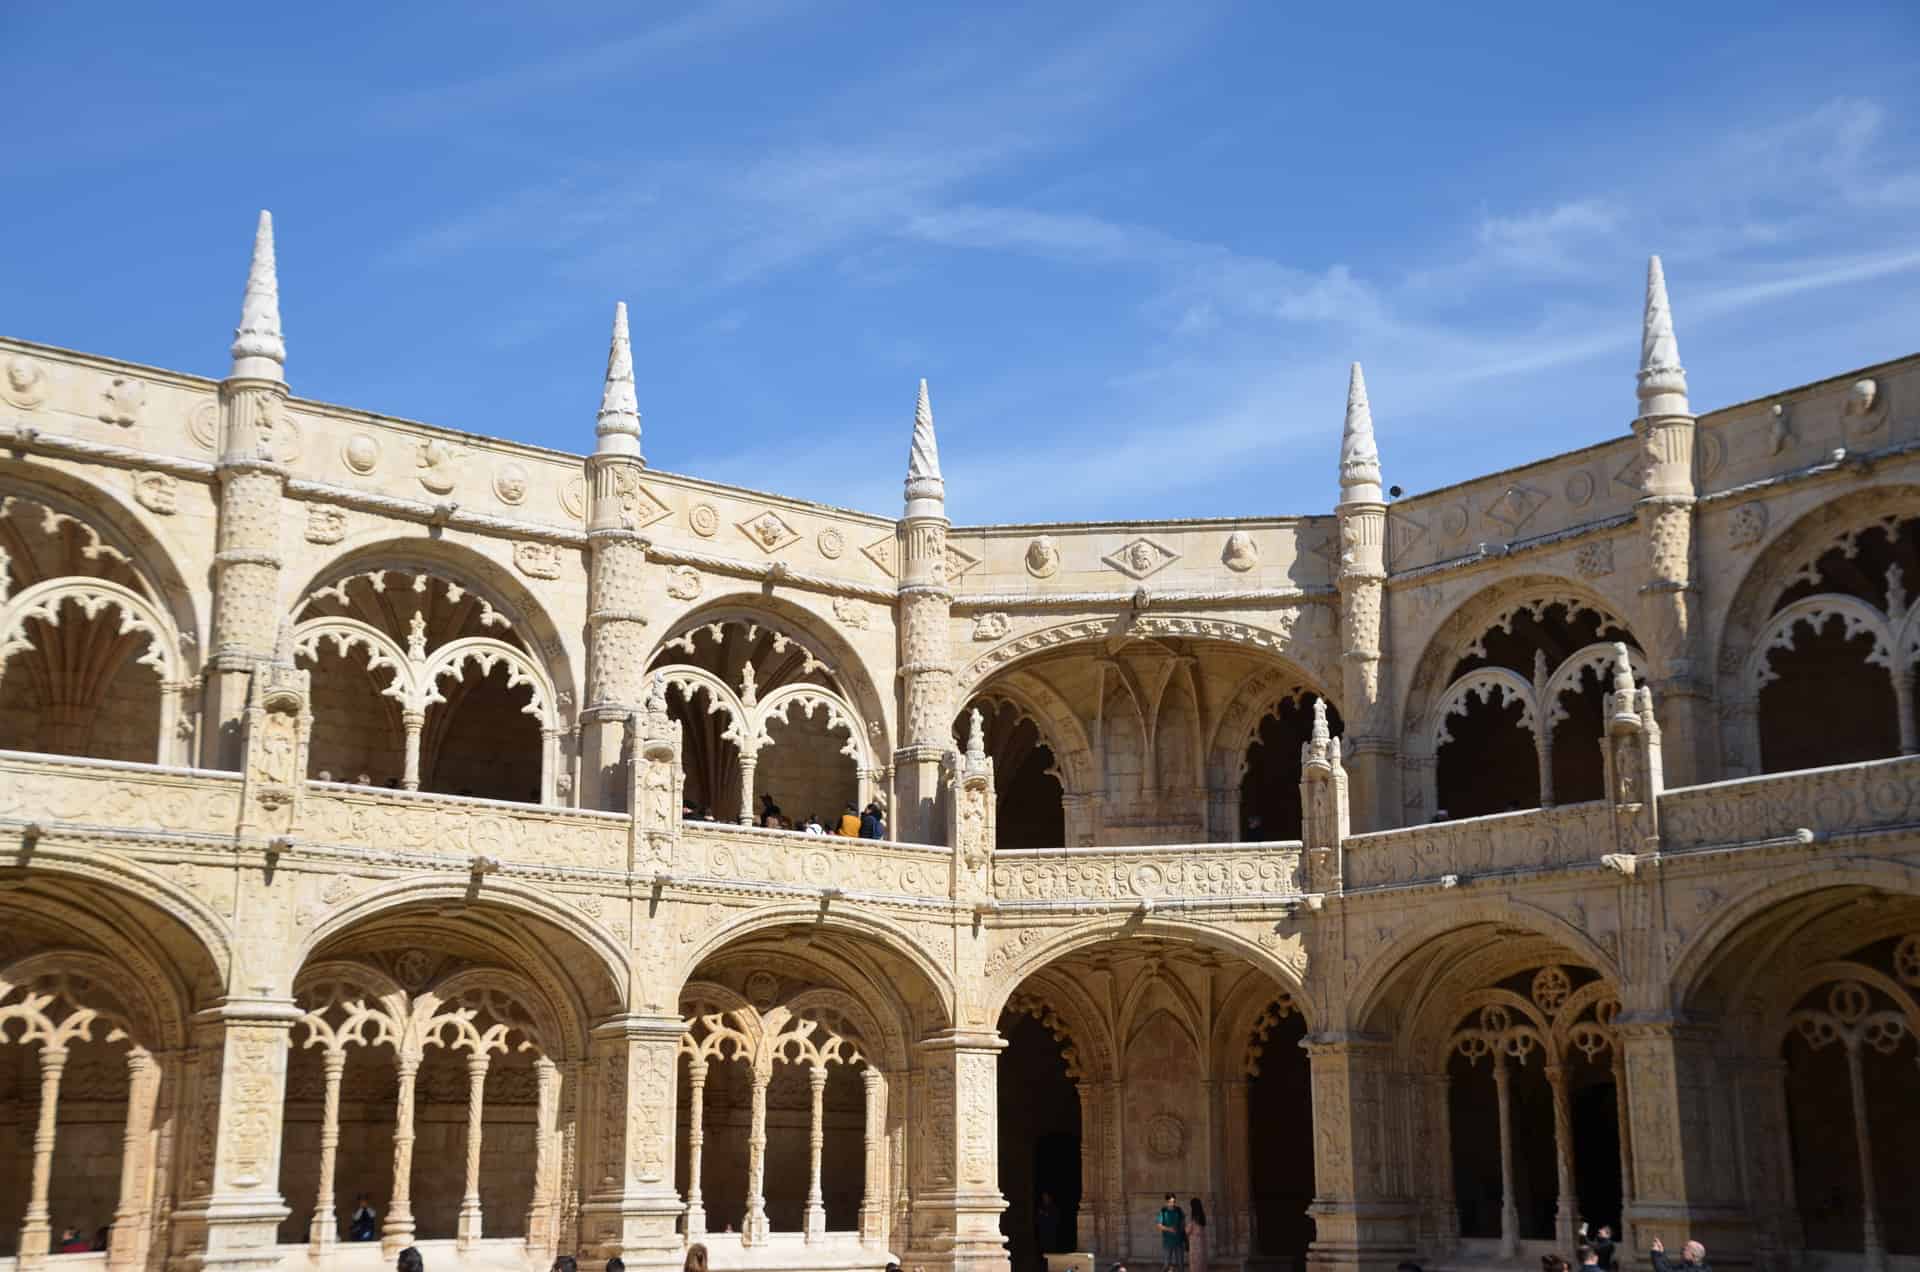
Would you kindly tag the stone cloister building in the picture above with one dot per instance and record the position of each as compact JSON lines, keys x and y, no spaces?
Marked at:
{"x":1414,"y":879}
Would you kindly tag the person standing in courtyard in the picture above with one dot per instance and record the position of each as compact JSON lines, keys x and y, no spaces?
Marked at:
{"x":1196,"y":1237}
{"x":1173,"y":1235}
{"x":1693,"y":1258}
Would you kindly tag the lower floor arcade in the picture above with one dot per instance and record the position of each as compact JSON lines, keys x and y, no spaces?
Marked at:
{"x":467,"y":1075}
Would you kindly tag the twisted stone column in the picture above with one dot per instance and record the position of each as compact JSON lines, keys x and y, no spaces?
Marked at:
{"x":322,"y":1232}
{"x":815,"y":1223}
{"x":753,"y":1229}
{"x":1567,"y":1208}
{"x":696,"y":1138}
{"x":128,"y":1249}
{"x":1871,"y":1241}
{"x":540,"y":1217}
{"x":467,"y":1230}
{"x":397,"y":1232}
{"x":35,"y":1231}
{"x":413,"y":722}
{"x":1509,"y":1212}
{"x":873,"y":1210}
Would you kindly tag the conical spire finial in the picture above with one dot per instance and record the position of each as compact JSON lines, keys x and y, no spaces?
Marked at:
{"x":1359,"y":456}
{"x":1622,"y":670}
{"x":618,"y":429}
{"x":259,"y":351}
{"x":976,"y":737}
{"x":1320,"y":731}
{"x":1663,"y":382}
{"x":926,"y":491}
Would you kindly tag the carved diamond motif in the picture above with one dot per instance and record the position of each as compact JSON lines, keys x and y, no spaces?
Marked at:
{"x":768,"y":531}
{"x":881,"y":553}
{"x":1403,"y":534}
{"x":1141,"y":558}
{"x":638,"y":505}
{"x":958,"y":562}
{"x":1515,"y":507}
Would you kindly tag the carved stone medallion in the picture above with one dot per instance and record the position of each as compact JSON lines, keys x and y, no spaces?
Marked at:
{"x":510,"y":482}
{"x":361,"y":454}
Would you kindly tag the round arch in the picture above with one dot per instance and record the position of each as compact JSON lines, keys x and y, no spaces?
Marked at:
{"x":124,"y":879}
{"x":1294,"y":638}
{"x":1786,"y":557}
{"x":472,"y":570}
{"x":154,"y":936}
{"x":1379,"y":972}
{"x":1014,"y":963}
{"x":813,"y":632}
{"x":119,"y":528}
{"x":1257,"y":695}
{"x":1706,"y":949}
{"x":1059,"y":728}
{"x":505,"y":895}
{"x":887,"y":935}
{"x":1492,"y":606}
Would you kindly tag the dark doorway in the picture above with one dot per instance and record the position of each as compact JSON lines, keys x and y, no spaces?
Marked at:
{"x":1039,"y":1142}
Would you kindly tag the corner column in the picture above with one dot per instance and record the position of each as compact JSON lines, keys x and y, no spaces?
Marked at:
{"x":957,"y":1204}
{"x":926,"y":674}
{"x":616,"y":627}
{"x":131,"y":1217}
{"x":1683,"y":1188}
{"x":36,"y":1231}
{"x":1362,"y":1217}
{"x":234,"y":1208}
{"x":1362,"y":578}
{"x":252,"y":480}
{"x":1669,"y":597}
{"x":633,"y":1210}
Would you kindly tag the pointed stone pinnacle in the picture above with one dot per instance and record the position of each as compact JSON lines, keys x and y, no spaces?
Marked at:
{"x":259,"y":351}
{"x":1622,"y":670}
{"x":618,"y":429}
{"x":926,"y":491}
{"x":976,"y":735}
{"x":1320,"y":733}
{"x":1662,"y":381}
{"x":1359,"y":456}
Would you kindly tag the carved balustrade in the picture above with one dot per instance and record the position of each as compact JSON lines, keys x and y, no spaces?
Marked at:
{"x":1538,"y":839}
{"x":1176,"y":872}
{"x":1877,"y":794}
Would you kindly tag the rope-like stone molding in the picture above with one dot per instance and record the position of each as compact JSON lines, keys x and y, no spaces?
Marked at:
{"x":24,"y":437}
{"x":1155,"y":599}
{"x":1518,"y":547}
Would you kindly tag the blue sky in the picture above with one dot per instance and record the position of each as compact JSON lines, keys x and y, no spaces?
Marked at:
{"x":1133,"y":247}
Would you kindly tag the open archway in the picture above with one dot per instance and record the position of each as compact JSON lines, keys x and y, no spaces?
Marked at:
{"x":91,"y":660}
{"x":792,"y":1112}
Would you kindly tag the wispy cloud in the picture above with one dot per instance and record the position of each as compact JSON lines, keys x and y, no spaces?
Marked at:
{"x":517,"y":87}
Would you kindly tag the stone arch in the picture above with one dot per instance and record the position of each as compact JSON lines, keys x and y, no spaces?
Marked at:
{"x":1437,"y":692}
{"x":144,"y":903}
{"x":1075,"y":1019}
{"x":1783,"y":557}
{"x":507,"y":895}
{"x":1013,"y":963}
{"x":1490,"y":607}
{"x":882,"y":932}
{"x":1061,"y":729}
{"x":1698,"y":958}
{"x":1239,"y":1019}
{"x":799,"y":622}
{"x":472,"y":570}
{"x":127,"y":1005}
{"x":121,"y":529}
{"x":1369,"y":979}
{"x":81,"y":682}
{"x":1290,"y":638}
{"x":1257,"y":695}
